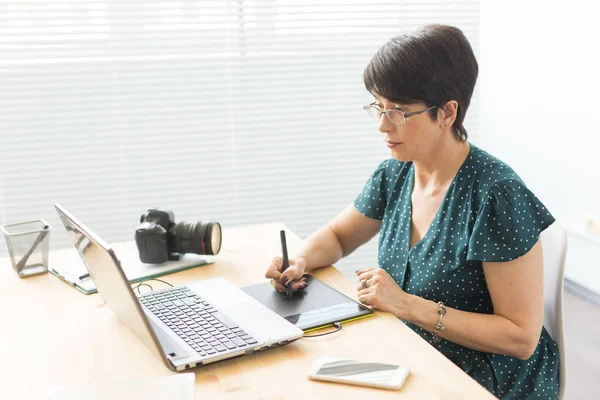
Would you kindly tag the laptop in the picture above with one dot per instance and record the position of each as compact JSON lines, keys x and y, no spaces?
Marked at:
{"x":185,"y":326}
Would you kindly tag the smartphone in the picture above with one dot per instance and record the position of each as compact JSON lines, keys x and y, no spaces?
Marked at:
{"x":363,"y":373}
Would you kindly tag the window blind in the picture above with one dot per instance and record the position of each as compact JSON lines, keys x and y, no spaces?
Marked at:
{"x":237,"y":111}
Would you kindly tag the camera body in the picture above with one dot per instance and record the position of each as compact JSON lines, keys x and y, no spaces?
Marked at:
{"x":159,"y":239}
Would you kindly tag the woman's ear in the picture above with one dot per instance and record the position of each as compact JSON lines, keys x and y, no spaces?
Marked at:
{"x":448,"y":113}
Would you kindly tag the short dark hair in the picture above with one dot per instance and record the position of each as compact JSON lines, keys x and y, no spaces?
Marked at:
{"x":434,"y":65}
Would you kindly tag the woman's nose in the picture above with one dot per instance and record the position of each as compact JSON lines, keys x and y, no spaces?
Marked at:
{"x":385,"y":125}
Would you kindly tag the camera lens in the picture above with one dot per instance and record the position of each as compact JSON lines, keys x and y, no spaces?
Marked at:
{"x":202,"y":237}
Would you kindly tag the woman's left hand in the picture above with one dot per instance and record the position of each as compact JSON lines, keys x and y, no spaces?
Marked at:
{"x":377,"y":289}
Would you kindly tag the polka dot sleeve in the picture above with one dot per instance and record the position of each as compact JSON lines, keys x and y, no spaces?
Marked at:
{"x":508,"y":223}
{"x":372,"y":200}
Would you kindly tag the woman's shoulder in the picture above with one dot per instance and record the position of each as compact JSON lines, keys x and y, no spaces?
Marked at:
{"x":391,"y":164}
{"x":392,"y":168}
{"x":488,"y":171}
{"x":508,"y":216}
{"x":377,"y":192}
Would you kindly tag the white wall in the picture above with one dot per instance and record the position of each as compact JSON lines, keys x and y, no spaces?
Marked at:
{"x":539,"y":90}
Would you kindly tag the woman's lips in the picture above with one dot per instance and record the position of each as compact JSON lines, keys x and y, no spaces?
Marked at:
{"x":392,"y":144}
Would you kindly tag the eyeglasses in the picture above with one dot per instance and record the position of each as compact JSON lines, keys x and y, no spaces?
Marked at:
{"x":395,"y":116}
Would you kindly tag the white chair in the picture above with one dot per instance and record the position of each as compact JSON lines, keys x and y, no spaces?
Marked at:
{"x":554,"y":245}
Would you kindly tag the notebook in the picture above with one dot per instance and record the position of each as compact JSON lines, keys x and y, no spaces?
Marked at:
{"x":315,"y":307}
{"x":175,"y":387}
{"x":71,"y":267}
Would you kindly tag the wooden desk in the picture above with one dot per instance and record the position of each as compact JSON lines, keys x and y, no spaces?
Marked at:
{"x":52,"y":334}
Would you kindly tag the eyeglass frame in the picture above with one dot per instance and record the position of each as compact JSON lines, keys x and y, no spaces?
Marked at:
{"x":366,"y":107}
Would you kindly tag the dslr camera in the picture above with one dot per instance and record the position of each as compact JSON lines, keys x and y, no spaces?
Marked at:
{"x":160,"y":239}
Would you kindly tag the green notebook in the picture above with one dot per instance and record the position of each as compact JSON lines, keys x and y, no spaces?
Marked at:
{"x":71,"y":266}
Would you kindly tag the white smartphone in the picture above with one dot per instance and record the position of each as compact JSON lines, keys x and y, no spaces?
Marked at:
{"x":363,"y":373}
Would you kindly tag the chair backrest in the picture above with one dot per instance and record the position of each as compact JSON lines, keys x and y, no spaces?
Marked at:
{"x":554,"y":245}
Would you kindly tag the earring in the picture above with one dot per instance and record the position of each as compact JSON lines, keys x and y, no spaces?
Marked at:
{"x":445,"y":125}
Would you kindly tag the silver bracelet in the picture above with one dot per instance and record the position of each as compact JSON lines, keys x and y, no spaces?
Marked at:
{"x":439,"y":327}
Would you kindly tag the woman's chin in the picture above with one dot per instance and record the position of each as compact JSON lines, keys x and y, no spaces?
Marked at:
{"x":398,"y":155}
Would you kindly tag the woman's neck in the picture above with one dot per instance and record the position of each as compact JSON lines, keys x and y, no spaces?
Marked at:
{"x":434,"y":174}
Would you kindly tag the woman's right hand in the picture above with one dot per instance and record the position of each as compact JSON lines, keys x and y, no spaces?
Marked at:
{"x":293,"y":275}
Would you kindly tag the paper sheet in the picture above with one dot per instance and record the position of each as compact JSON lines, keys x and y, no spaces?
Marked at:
{"x":175,"y":387}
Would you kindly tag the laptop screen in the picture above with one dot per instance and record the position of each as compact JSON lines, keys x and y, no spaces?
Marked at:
{"x":113,"y":287}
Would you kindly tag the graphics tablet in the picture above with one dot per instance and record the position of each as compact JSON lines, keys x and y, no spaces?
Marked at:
{"x":316,"y":306}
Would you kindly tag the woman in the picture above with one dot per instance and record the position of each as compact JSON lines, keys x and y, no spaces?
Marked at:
{"x":459,"y":251}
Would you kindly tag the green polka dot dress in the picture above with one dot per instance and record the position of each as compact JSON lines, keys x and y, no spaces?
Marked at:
{"x":488,"y":214}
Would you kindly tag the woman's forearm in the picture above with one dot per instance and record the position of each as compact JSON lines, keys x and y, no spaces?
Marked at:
{"x":484,"y":332}
{"x":321,"y":248}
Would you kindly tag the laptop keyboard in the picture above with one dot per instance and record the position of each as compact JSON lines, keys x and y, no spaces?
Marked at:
{"x":194,"y":320}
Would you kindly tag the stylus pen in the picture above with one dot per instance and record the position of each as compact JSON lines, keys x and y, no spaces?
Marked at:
{"x":286,"y":262}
